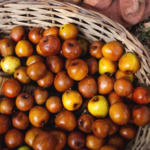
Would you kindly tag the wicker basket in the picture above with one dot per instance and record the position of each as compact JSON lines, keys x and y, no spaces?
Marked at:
{"x":92,"y":26}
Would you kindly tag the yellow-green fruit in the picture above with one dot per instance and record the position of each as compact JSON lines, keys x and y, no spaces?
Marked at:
{"x":98,"y":106}
{"x":10,"y":63}
{"x":71,"y":100}
{"x":107,"y":66}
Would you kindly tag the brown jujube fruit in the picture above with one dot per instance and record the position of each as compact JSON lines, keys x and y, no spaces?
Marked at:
{"x":105,"y":84}
{"x":40,"y":95}
{"x":141,"y":115}
{"x":36,"y":71}
{"x":51,"y":31}
{"x":7,"y":47}
{"x":7,"y":106}
{"x":21,"y":75}
{"x":38,"y":116}
{"x":87,"y":87}
{"x":113,"y":128}
{"x":77,"y":69}
{"x":93,"y":142}
{"x":119,"y":113}
{"x":47,"y":80}
{"x":54,"y":104}
{"x":60,"y":137}
{"x":24,"y":101}
{"x":85,"y":122}
{"x":113,"y":98}
{"x":117,"y":141}
{"x":76,"y":140}
{"x":44,"y":141}
{"x":5,"y":123}
{"x":54,"y":63}
{"x":92,"y":65}
{"x":35,"y":35}
{"x":62,"y":82}
{"x":123,"y":87}
{"x":11,"y":88}
{"x":128,"y":132}
{"x":14,"y":138}
{"x":50,"y":45}
{"x":17,"y":33}
{"x":71,"y":49}
{"x":66,"y":120}
{"x":20,"y":120}
{"x":33,"y":59}
{"x":31,"y":134}
{"x":96,"y":49}
{"x":100,"y":128}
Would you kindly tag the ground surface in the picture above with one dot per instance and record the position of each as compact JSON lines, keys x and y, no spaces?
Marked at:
{"x":142,"y":32}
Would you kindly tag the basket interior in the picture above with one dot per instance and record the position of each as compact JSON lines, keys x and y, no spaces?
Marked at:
{"x":92,"y":26}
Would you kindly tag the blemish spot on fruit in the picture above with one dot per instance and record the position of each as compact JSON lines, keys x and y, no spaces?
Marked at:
{"x":20,"y":117}
{"x":94,"y":47}
{"x":8,"y":44}
{"x":46,"y":39}
{"x":74,"y":63}
{"x":81,"y":122}
{"x":62,"y":27}
{"x":75,"y":105}
{"x":17,"y":73}
{"x":79,"y":144}
{"x":25,"y":96}
{"x":71,"y":44}
{"x":95,"y":99}
{"x":67,"y":92}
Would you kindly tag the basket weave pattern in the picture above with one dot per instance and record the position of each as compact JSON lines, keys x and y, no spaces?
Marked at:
{"x":92,"y":26}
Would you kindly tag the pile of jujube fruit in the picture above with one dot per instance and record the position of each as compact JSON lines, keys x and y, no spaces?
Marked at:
{"x":85,"y":98}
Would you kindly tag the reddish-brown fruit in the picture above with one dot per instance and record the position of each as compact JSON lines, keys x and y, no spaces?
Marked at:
{"x":63,"y":82}
{"x":87,"y":87}
{"x":20,"y":120}
{"x":36,"y":71}
{"x":71,"y":49}
{"x":7,"y":106}
{"x":50,"y":45}
{"x":128,"y":132}
{"x":60,"y":137}
{"x":141,"y":95}
{"x":93,"y":142}
{"x":31,"y":134}
{"x":33,"y":59}
{"x":92,"y":65}
{"x":76,"y":140}
{"x":47,"y":80}
{"x":96,"y":49}
{"x":24,"y":48}
{"x":54,"y":104}
{"x":113,"y":127}
{"x":141,"y":115}
{"x":7,"y":47}
{"x":17,"y":33}
{"x":14,"y":138}
{"x":105,"y":84}
{"x":100,"y":128}
{"x":44,"y":141}
{"x":117,"y":141}
{"x":5,"y":123}
{"x":38,"y":116}
{"x":123,"y":87}
{"x":54,"y":63}
{"x":24,"y":101}
{"x":119,"y":113}
{"x":35,"y":35}
{"x":51,"y":31}
{"x":40,"y":95}
{"x":85,"y":123}
{"x":11,"y":88}
{"x":77,"y":69}
{"x":66,"y":120}
{"x":113,"y":98}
